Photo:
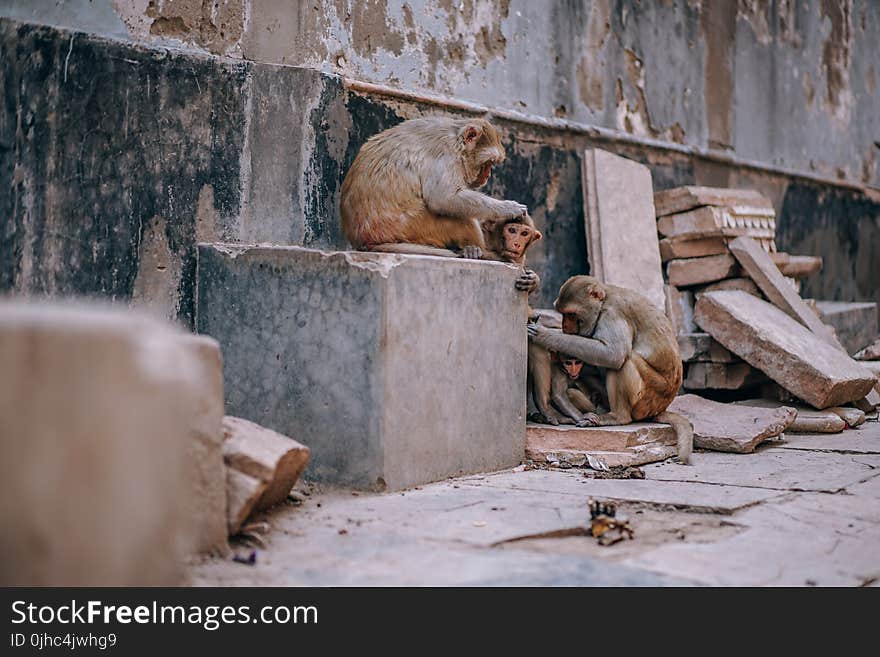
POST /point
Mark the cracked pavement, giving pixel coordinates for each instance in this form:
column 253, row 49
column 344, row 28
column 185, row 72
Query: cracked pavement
column 800, row 512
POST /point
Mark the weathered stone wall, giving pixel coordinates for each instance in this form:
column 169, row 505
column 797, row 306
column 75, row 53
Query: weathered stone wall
column 792, row 83
column 119, row 157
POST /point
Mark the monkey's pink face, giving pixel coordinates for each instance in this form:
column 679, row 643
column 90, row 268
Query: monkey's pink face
column 572, row 367
column 517, row 238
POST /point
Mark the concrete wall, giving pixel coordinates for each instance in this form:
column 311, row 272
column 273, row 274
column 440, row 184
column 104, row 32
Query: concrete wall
column 792, row 83
column 120, row 156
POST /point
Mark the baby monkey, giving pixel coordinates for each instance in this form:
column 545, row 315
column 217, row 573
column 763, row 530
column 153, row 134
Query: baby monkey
column 574, row 390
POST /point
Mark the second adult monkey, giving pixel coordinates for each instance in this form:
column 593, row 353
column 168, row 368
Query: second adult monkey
column 413, row 188
column 620, row 330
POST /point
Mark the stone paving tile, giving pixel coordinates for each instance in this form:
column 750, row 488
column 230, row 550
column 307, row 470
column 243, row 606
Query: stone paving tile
column 861, row 440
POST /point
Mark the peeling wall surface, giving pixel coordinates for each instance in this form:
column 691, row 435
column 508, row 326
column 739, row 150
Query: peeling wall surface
column 131, row 129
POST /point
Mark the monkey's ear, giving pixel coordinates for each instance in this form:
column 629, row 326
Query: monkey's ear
column 470, row 134
column 596, row 292
column 536, row 236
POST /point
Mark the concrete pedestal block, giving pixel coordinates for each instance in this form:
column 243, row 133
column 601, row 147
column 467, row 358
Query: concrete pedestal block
column 394, row 370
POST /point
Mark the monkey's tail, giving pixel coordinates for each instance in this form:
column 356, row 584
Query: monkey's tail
column 683, row 431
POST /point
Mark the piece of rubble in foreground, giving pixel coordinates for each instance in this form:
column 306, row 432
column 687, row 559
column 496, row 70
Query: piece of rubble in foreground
column 269, row 462
column 808, row 420
column 621, row 445
column 785, row 350
column 729, row 427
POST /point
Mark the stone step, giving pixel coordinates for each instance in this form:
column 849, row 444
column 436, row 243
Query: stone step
column 625, row 445
column 394, row 370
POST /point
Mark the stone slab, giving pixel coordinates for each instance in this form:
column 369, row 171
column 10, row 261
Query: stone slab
column 243, row 492
column 728, row 427
column 680, row 309
column 789, row 353
column 680, row 199
column 871, row 352
column 702, row 347
column 717, row 222
column 98, row 407
column 683, row 247
column 852, row 416
column 630, row 444
column 621, row 231
column 721, row 376
column 378, row 362
column 696, row 271
column 774, row 468
column 855, row 323
column 858, row 441
column 760, row 268
column 681, row 494
column 796, row 266
column 744, row 284
column 275, row 460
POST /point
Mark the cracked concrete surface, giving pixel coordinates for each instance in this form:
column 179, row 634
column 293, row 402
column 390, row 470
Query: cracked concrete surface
column 800, row 512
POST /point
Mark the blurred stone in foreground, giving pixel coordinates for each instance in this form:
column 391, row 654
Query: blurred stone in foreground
column 98, row 410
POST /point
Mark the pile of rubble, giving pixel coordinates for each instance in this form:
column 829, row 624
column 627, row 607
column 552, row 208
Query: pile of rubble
column 745, row 334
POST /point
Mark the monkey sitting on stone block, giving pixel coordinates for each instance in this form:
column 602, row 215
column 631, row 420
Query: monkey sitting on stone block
column 621, row 331
column 413, row 189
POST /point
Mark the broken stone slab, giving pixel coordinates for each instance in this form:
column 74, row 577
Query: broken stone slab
column 808, row 420
column 743, row 284
column 702, row 347
column 731, row 428
column 680, row 309
column 796, row 266
column 98, row 407
column 852, row 416
column 694, row 271
column 275, row 460
column 243, row 492
column 785, row 350
column 373, row 360
column 685, row 247
column 710, row 221
column 760, row 268
column 869, row 403
column 721, row 376
column 855, row 323
column 621, row 230
column 871, row 352
column 685, row 198
column 630, row 444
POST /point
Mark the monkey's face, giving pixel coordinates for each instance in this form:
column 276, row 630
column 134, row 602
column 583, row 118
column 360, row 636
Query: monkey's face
column 572, row 367
column 580, row 302
column 481, row 149
column 517, row 238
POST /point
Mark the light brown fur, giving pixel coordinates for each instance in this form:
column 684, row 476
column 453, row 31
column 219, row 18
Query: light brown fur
column 416, row 184
column 619, row 329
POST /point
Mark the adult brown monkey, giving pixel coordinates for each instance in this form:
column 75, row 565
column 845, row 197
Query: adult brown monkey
column 620, row 330
column 413, row 188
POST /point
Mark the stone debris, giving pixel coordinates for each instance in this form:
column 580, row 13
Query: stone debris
column 852, row 416
column 796, row 266
column 742, row 284
column 618, row 201
column 269, row 462
column 783, row 349
column 760, row 268
column 702, row 347
column 808, row 420
column 625, row 445
column 854, row 323
column 721, row 376
column 712, row 221
column 681, row 199
column 696, row 271
column 680, row 309
column 729, row 427
column 687, row 247
column 871, row 352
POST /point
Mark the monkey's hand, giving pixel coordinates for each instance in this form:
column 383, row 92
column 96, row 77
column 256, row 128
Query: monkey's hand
column 511, row 210
column 590, row 420
column 528, row 281
column 472, row 252
column 541, row 335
